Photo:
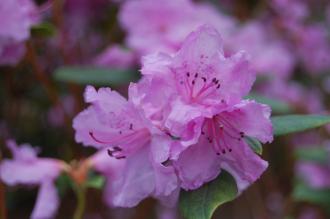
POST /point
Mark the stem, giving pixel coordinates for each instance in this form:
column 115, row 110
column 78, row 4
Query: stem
column 81, row 202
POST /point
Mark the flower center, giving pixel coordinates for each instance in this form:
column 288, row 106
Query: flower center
column 220, row 132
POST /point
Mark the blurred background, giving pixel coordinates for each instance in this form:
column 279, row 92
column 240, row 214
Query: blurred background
column 71, row 43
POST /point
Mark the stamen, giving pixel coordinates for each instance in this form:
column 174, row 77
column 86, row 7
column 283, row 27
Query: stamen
column 97, row 140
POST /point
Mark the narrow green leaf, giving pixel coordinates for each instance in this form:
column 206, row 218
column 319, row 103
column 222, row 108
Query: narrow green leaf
column 297, row 123
column 277, row 106
column 44, row 29
column 313, row 154
column 254, row 144
column 95, row 75
column 201, row 203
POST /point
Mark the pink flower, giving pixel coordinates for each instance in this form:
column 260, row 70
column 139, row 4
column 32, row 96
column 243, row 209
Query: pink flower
column 115, row 57
column 10, row 52
column 178, row 91
column 113, row 122
column 255, row 38
column 154, row 27
column 313, row 47
column 16, row 19
column 291, row 11
column 196, row 96
column 185, row 119
column 222, row 146
column 26, row 168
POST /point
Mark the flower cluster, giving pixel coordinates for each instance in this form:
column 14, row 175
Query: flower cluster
column 183, row 122
column 16, row 19
column 26, row 168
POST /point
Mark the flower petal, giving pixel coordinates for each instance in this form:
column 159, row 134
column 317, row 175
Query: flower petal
column 47, row 201
column 197, row 165
column 252, row 118
column 243, row 164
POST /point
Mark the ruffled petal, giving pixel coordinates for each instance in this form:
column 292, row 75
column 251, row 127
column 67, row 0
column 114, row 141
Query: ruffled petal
column 243, row 164
column 132, row 186
column 111, row 120
column 15, row 172
column 197, row 165
column 251, row 118
column 47, row 201
column 185, row 121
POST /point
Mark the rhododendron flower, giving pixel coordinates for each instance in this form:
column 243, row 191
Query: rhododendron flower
column 27, row 169
column 16, row 19
column 162, row 26
column 192, row 83
column 313, row 47
column 203, row 90
column 222, row 146
column 310, row 41
column 113, row 122
column 115, row 57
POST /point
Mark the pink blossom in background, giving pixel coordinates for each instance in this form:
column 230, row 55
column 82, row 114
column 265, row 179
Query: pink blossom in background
column 11, row 52
column 269, row 56
column 309, row 213
column 163, row 27
column 114, row 123
column 310, row 41
column 16, row 19
column 313, row 47
column 291, row 11
column 315, row 175
column 115, row 57
column 295, row 94
column 27, row 169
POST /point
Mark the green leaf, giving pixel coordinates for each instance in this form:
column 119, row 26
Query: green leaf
column 277, row 106
column 43, row 29
column 96, row 182
column 297, row 123
column 63, row 184
column 313, row 154
column 95, row 75
column 254, row 144
column 201, row 203
column 304, row 193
